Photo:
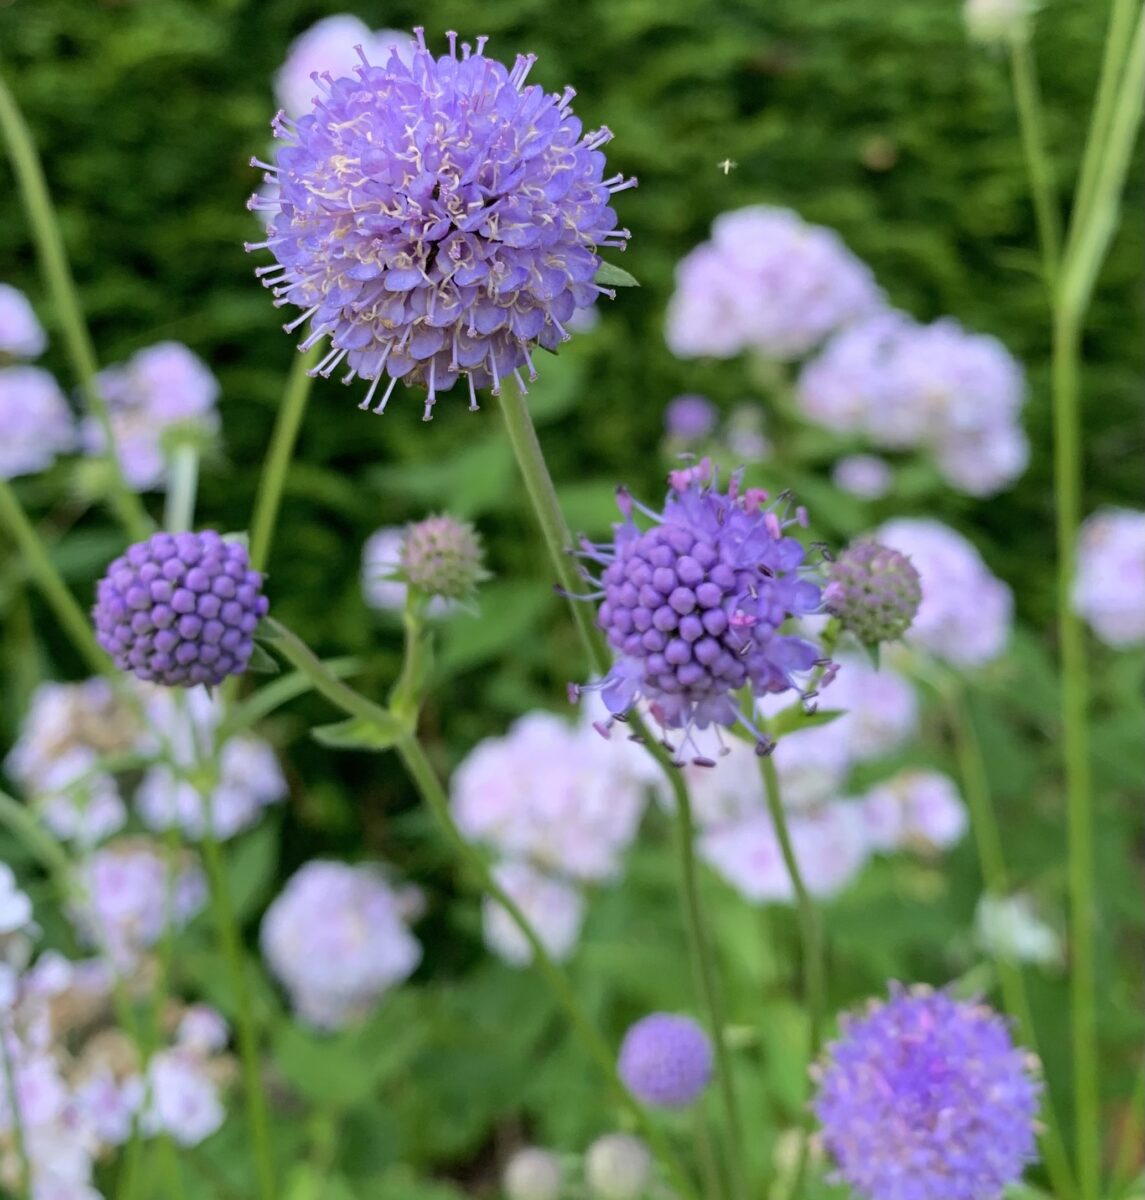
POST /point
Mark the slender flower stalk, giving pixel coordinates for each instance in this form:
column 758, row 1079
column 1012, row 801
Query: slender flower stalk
column 41, row 216
column 182, row 486
column 272, row 482
column 13, row 1097
column 814, row 950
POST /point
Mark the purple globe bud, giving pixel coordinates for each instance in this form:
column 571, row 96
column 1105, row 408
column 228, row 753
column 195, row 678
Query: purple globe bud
column 874, row 591
column 442, row 557
column 437, row 218
column 928, row 1097
column 180, row 609
column 693, row 606
column 665, row 1060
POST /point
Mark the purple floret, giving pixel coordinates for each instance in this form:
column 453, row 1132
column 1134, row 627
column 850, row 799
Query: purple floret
column 693, row 606
column 437, row 218
column 927, row 1098
column 180, row 609
column 665, row 1060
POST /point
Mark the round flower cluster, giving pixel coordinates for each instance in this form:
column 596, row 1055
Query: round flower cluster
column 1009, row 927
column 36, row 424
column 558, row 795
column 161, row 388
column 997, row 21
column 966, row 612
column 337, row 940
column 554, row 909
column 329, row 45
column 693, row 605
column 1109, row 588
column 767, row 282
column 21, row 334
column 927, row 1096
column 618, row 1166
column 437, row 218
column 690, row 418
column 533, row 1174
column 937, row 387
column 915, row 808
column 864, row 475
column 247, row 779
column 874, row 591
column 123, row 889
column 180, row 609
column 442, row 557
column 665, row 1060
column 66, row 730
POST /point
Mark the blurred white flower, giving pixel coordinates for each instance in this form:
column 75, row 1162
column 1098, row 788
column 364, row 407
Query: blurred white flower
column 1009, row 927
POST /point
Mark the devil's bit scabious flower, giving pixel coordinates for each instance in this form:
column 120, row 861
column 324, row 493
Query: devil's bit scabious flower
column 180, row 609
column 36, row 424
column 874, row 591
column 21, row 334
column 927, row 1098
column 665, row 1060
column 442, row 556
column 1109, row 587
column 693, row 605
column 437, row 219
column 533, row 1174
column 618, row 1166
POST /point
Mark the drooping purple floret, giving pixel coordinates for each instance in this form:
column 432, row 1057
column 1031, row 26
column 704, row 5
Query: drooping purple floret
column 665, row 1060
column 437, row 219
column 693, row 606
column 180, row 609
column 927, row 1098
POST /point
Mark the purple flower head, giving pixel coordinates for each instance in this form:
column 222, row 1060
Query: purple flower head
column 768, row 282
column 442, row 556
column 437, row 218
column 1109, row 588
column 21, row 334
column 690, row 417
column 926, row 1097
column 693, row 606
column 180, row 609
column 35, row 422
column 864, row 475
column 874, row 591
column 665, row 1060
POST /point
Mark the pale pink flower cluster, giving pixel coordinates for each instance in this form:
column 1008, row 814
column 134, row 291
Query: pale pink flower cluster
column 1109, row 586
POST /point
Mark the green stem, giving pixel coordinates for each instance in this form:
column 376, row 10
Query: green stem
column 182, row 484
column 272, row 482
column 48, row 579
column 405, row 701
column 814, row 950
column 991, row 858
column 41, row 216
column 278, row 692
column 543, row 497
column 1129, row 1142
column 14, row 1108
column 1027, row 96
column 703, row 962
column 231, row 945
column 21, row 821
column 1113, row 59
column 423, row 775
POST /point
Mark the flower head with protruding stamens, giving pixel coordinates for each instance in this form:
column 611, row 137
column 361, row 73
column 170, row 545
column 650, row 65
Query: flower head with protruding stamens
column 437, row 219
column 693, row 605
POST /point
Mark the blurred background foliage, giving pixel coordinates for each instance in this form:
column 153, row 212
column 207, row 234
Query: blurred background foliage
column 874, row 116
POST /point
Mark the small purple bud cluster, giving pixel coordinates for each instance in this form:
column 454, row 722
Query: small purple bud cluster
column 665, row 1060
column 693, row 606
column 437, row 218
column 442, row 557
column 180, row 609
column 874, row 591
column 927, row 1097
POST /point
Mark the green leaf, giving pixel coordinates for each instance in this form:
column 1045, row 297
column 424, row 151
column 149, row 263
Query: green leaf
column 261, row 663
column 251, row 864
column 356, row 733
column 610, row 275
column 793, row 718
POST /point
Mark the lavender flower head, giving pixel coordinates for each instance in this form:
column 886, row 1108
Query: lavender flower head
column 864, row 475
column 35, row 422
column 442, row 557
column 693, row 606
column 1109, row 589
column 915, row 809
column 874, row 591
column 437, row 219
column 690, row 417
column 180, row 609
column 21, row 334
column 966, row 611
column 926, row 1097
column 554, row 908
column 665, row 1060
column 769, row 282
column 162, row 387
column 337, row 939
